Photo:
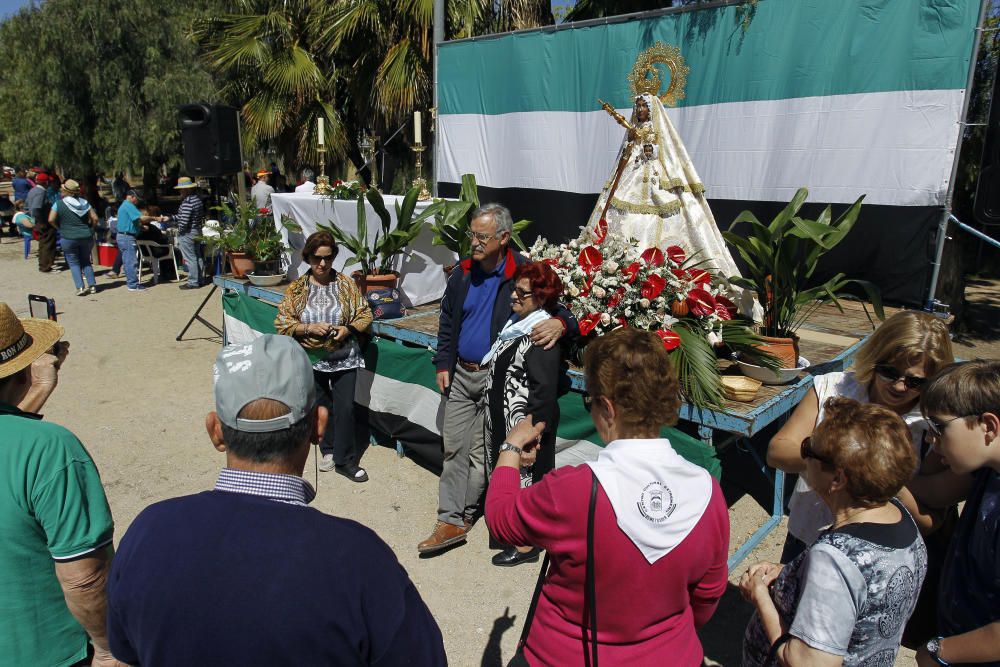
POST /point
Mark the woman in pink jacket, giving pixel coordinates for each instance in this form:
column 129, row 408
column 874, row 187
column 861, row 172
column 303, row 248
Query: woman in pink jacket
column 661, row 527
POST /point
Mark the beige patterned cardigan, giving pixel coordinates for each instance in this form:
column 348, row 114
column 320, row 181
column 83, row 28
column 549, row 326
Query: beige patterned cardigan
column 357, row 315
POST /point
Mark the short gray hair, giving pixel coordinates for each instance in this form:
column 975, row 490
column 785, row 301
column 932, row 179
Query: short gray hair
column 499, row 213
column 308, row 174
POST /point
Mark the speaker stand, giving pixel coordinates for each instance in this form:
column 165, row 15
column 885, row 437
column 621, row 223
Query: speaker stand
column 197, row 316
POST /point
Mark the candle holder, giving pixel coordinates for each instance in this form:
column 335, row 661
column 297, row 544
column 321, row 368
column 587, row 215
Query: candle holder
column 322, row 182
column 419, row 181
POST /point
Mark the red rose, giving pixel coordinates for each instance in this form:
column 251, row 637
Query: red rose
column 676, row 254
column 616, row 298
column 700, row 302
column 590, row 259
column 669, row 338
column 652, row 256
column 265, row 211
column 653, row 286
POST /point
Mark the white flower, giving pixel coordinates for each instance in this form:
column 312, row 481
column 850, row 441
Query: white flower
column 669, row 321
column 605, row 319
column 611, row 268
column 714, row 339
column 644, row 303
column 599, row 293
column 573, row 290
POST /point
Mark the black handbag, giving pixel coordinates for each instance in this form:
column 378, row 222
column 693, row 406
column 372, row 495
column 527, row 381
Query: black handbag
column 589, row 595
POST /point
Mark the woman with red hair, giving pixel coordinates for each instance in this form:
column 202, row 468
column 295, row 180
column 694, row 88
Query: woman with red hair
column 524, row 380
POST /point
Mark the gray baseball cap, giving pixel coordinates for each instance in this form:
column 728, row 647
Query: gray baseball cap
column 274, row 367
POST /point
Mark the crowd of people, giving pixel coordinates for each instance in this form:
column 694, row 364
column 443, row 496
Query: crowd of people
column 636, row 542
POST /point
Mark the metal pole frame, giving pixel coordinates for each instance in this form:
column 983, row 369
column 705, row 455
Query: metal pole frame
column 931, row 304
column 439, row 19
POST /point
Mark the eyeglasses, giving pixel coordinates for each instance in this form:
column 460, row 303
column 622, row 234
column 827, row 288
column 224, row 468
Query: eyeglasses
column 588, row 401
column 807, row 452
column 892, row 375
column 479, row 236
column 522, row 294
column 937, row 427
column 319, row 259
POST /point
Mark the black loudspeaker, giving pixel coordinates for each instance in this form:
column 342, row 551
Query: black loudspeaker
column 211, row 136
column 986, row 208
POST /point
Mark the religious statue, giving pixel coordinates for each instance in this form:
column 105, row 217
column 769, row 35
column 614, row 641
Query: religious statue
column 655, row 196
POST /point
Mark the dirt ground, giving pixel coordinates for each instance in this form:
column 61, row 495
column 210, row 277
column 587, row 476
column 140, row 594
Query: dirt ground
column 138, row 398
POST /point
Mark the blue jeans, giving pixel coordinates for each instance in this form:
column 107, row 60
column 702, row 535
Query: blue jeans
column 77, row 254
column 126, row 253
column 27, row 246
column 191, row 252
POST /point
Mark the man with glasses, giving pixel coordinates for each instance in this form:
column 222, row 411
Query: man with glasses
column 475, row 306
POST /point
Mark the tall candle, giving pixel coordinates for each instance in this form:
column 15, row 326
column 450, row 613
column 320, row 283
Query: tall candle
column 416, row 128
column 320, row 122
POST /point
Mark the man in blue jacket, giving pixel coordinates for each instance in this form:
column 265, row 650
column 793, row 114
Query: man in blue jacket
column 475, row 307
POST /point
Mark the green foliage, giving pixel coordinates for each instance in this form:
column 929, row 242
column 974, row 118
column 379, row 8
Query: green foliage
column 245, row 229
column 379, row 256
column 695, row 363
column 781, row 258
column 91, row 86
column 451, row 223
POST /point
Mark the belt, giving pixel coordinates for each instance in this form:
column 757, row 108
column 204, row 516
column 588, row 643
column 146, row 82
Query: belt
column 471, row 366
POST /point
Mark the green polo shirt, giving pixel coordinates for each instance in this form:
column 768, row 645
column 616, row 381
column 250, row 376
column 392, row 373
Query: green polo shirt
column 52, row 507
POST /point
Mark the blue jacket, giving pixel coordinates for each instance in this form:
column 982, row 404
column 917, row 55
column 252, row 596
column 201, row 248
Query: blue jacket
column 450, row 322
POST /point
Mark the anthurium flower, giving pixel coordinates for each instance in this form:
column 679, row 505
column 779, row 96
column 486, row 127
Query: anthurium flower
column 676, row 254
column 700, row 302
column 632, row 272
column 653, row 286
column 616, row 298
column 727, row 305
column 700, row 276
column 670, row 339
column 590, row 259
column 601, row 231
column 588, row 323
column 652, row 256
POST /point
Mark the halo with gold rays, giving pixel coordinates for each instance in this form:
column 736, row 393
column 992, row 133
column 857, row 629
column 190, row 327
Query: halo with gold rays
column 645, row 77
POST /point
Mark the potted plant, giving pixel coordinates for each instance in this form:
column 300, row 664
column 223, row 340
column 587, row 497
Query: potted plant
column 781, row 257
column 451, row 222
column 378, row 259
column 248, row 236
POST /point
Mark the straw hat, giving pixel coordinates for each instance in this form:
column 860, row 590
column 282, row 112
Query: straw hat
column 262, row 173
column 72, row 187
column 23, row 340
column 185, row 182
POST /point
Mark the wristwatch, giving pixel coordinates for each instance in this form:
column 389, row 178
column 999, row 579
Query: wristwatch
column 507, row 447
column 934, row 648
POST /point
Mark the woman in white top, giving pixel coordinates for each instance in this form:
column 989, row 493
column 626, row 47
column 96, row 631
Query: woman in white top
column 890, row 369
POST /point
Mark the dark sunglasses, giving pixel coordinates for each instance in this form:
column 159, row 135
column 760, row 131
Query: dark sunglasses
column 937, row 426
column 892, row 375
column 807, row 452
column 522, row 294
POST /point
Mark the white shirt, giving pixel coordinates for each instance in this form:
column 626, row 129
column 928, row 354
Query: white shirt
column 307, row 187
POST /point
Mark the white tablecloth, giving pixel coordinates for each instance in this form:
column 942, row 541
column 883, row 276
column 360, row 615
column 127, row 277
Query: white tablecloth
column 421, row 275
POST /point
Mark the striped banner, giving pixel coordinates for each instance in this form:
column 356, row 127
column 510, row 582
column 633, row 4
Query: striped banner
column 399, row 391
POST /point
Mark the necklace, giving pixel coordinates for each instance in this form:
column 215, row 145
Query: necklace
column 852, row 518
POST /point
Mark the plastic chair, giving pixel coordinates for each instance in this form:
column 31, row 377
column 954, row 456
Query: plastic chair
column 148, row 256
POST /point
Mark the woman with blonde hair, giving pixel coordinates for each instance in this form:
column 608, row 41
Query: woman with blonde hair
column 890, row 369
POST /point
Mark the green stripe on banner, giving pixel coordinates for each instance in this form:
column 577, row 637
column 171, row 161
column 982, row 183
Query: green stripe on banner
column 255, row 316
column 792, row 48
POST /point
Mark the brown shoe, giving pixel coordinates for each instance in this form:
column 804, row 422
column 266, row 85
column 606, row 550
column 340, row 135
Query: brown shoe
column 444, row 535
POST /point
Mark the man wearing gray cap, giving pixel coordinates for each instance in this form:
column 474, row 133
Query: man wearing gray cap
column 246, row 574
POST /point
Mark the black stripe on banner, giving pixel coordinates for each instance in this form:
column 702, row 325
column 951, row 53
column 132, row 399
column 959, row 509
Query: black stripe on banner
column 891, row 246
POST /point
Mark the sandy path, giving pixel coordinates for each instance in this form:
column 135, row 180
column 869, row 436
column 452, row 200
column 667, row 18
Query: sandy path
column 138, row 399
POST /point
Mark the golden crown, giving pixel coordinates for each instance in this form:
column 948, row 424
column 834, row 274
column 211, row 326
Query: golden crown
column 645, row 77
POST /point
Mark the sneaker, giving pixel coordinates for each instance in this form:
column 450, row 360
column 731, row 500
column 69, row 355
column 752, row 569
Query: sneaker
column 140, row 288
column 92, row 289
column 326, row 463
column 112, row 274
column 189, row 286
column 82, row 291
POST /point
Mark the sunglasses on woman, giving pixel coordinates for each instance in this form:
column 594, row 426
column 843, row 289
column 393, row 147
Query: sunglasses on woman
column 806, row 451
column 892, row 375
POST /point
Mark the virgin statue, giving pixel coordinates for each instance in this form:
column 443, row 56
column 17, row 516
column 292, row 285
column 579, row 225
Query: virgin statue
column 655, row 196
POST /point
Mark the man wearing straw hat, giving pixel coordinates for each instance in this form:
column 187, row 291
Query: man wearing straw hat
column 189, row 218
column 262, row 191
column 54, row 517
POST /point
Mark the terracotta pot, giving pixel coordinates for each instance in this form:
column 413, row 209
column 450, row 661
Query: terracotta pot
column 785, row 349
column 679, row 308
column 370, row 283
column 240, row 263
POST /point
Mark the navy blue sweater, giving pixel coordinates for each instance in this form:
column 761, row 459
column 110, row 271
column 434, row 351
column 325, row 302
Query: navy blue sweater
column 450, row 320
column 223, row 578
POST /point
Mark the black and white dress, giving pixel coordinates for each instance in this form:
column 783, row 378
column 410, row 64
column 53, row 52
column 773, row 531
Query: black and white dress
column 523, row 380
column 849, row 594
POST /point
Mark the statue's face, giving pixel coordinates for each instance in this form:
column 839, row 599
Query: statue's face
column 647, row 151
column 641, row 111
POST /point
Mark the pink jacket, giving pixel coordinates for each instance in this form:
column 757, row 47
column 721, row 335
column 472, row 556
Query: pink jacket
column 646, row 614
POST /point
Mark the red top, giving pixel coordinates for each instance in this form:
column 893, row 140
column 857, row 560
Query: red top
column 646, row 614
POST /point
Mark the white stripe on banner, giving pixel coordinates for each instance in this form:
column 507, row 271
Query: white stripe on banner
column 895, row 147
column 419, row 405
column 238, row 331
